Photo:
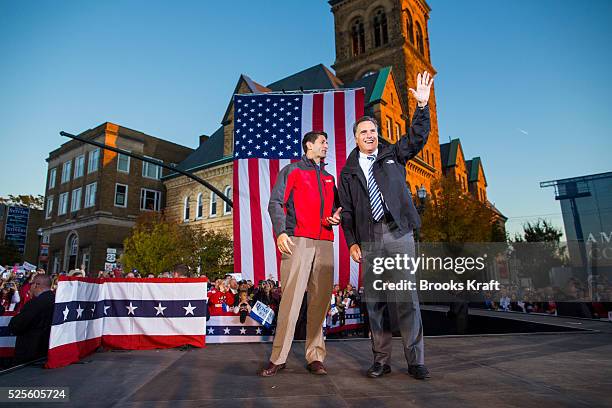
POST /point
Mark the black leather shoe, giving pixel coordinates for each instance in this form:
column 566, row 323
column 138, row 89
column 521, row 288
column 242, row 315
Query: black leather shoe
column 420, row 372
column 378, row 370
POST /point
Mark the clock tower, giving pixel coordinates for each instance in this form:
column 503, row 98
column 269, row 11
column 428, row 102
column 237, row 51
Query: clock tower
column 371, row 35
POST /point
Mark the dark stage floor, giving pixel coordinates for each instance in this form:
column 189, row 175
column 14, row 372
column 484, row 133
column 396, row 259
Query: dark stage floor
column 530, row 370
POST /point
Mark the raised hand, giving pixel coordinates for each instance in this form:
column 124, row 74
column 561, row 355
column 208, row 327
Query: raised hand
column 424, row 82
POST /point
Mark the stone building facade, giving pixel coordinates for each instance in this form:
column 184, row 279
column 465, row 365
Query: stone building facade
column 94, row 196
column 381, row 45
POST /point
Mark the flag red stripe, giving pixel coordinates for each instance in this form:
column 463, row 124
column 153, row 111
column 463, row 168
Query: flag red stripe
column 274, row 169
column 344, row 272
column 236, row 212
column 148, row 342
column 65, row 354
column 259, row 268
column 100, row 281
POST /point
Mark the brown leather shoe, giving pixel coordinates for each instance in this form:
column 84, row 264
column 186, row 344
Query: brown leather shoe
column 271, row 370
column 317, row 368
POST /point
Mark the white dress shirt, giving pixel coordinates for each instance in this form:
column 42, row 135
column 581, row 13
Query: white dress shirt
column 365, row 165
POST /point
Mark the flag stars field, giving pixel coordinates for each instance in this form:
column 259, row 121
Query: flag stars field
column 189, row 309
column 160, row 309
column 131, row 308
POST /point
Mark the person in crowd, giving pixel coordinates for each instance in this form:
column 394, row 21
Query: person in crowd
column 242, row 308
column 77, row 273
column 233, row 287
column 504, row 301
column 180, row 271
column 32, row 325
column 220, row 298
column 9, row 296
column 24, row 291
column 264, row 295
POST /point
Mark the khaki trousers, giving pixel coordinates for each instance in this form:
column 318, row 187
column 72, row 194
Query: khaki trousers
column 310, row 267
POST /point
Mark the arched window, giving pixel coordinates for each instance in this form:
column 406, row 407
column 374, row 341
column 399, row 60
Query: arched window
column 71, row 252
column 419, row 39
column 186, row 209
column 357, row 37
column 226, row 207
column 200, row 207
column 381, row 35
column 409, row 27
column 213, row 204
column 74, row 245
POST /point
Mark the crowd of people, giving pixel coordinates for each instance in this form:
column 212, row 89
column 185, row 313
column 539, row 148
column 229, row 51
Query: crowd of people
column 575, row 299
column 229, row 296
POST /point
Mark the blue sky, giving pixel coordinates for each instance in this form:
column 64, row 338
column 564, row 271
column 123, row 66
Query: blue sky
column 524, row 84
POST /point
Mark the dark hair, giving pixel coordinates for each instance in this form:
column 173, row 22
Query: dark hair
column 364, row 119
column 311, row 137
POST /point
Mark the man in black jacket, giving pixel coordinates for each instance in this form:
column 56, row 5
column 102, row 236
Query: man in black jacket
column 378, row 212
column 32, row 325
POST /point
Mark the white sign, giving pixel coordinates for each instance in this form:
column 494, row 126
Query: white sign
column 237, row 276
column 28, row 266
column 111, row 255
column 262, row 314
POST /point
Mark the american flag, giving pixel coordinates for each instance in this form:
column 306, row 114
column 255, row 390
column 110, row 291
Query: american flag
column 7, row 340
column 268, row 131
column 126, row 314
column 228, row 329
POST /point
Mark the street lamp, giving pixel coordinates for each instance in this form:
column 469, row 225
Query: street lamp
column 422, row 195
column 39, row 232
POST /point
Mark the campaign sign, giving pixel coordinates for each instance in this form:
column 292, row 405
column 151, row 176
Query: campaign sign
column 17, row 226
column 262, row 314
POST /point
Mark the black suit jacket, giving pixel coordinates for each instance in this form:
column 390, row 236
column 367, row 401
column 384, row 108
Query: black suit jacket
column 390, row 176
column 32, row 326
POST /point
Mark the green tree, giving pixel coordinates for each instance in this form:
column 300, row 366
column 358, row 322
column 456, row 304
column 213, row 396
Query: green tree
column 452, row 215
column 30, row 201
column 538, row 249
column 539, row 231
column 156, row 245
column 212, row 251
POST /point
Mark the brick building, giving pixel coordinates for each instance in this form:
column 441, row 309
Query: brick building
column 381, row 45
column 94, row 196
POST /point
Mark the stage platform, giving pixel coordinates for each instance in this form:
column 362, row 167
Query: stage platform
column 570, row 369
